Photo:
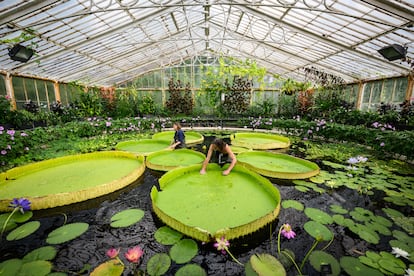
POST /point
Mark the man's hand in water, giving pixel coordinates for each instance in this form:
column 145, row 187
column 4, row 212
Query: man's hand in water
column 226, row 172
column 202, row 171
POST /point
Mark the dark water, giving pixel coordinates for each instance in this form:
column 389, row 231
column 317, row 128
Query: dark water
column 90, row 248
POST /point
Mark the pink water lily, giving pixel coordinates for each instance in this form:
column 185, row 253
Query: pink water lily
column 134, row 254
column 222, row 244
column 112, row 253
column 287, row 231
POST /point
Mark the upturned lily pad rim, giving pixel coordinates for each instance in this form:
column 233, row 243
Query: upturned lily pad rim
column 168, row 135
column 61, row 199
column 278, row 142
column 120, row 146
column 313, row 167
column 229, row 233
column 162, row 167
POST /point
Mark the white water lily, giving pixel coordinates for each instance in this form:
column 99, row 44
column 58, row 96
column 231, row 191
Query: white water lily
column 399, row 252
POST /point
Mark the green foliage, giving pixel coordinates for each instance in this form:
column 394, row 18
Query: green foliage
column 191, row 269
column 109, row 268
column 183, row 251
column 67, row 232
column 167, row 236
column 23, row 231
column 179, row 102
column 126, row 218
column 158, row 264
column 319, row 258
column 266, row 264
column 317, row 230
column 318, row 215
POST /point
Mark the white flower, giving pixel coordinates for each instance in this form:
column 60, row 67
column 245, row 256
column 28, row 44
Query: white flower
column 410, row 272
column 399, row 252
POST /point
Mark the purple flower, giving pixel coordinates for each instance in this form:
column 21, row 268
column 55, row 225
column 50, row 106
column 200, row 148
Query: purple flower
column 23, row 134
column 353, row 160
column 112, row 253
column 376, row 124
column 382, row 144
column 3, row 152
column 11, row 132
column 22, row 204
column 222, row 244
column 1, row 128
column 310, row 131
column 287, row 231
column 108, row 124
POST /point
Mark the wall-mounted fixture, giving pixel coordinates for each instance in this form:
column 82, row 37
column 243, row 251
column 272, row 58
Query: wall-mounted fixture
column 393, row 52
column 20, row 53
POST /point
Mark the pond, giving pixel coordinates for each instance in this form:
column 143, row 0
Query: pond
column 336, row 196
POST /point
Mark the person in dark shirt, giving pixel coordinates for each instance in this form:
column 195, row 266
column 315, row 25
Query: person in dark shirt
column 224, row 155
column 179, row 137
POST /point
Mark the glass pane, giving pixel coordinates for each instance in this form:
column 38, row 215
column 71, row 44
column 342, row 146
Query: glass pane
column 376, row 92
column 3, row 91
column 367, row 93
column 388, row 90
column 400, row 90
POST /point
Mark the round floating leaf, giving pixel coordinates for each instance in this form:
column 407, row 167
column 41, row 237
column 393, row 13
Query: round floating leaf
column 319, row 258
column 318, row 215
column 367, row 234
column 392, row 266
column 191, row 270
column 183, row 251
column 10, row 224
column 10, row 267
column 338, row 209
column 266, row 264
column 20, row 218
column 392, row 212
column 167, row 236
column 348, row 223
column 36, row 268
column 354, row 267
column 248, row 270
column 317, row 230
column 23, row 231
column 57, row 274
column 339, row 219
column 383, row 221
column 127, row 217
column 292, row 204
column 45, row 253
column 381, row 229
column 158, row 264
column 401, row 245
column 110, row 268
column 302, row 189
column 364, row 212
column 358, row 216
column 67, row 232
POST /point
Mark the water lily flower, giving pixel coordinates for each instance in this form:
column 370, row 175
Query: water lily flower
column 22, row 204
column 287, row 231
column 222, row 244
column 398, row 252
column 112, row 253
column 134, row 254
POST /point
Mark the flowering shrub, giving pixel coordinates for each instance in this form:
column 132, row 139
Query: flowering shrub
column 12, row 144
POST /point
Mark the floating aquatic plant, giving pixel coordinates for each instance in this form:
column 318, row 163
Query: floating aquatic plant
column 167, row 236
column 191, row 269
column 266, row 264
column 67, row 232
column 126, row 218
column 20, row 207
column 183, row 251
column 318, row 215
column 159, row 264
column 318, row 259
column 292, row 204
column 384, row 262
column 23, row 231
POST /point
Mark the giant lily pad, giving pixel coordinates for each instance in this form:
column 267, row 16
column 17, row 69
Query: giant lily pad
column 218, row 205
column 262, row 141
column 191, row 137
column 277, row 165
column 70, row 179
column 167, row 160
column 143, row 147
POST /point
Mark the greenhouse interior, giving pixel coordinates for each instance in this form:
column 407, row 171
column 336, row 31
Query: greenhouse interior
column 207, row 137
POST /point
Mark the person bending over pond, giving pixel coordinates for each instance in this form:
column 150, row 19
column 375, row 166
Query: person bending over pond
column 224, row 155
column 179, row 137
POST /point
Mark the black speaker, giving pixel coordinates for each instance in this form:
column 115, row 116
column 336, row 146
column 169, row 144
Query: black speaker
column 20, row 53
column 393, row 52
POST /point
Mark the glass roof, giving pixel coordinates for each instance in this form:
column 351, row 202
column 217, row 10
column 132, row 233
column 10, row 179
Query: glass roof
column 108, row 42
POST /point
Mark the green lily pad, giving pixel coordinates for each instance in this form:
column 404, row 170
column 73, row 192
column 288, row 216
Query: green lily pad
column 111, row 268
column 277, row 165
column 266, row 264
column 383, row 221
column 318, row 215
column 381, row 229
column 183, row 251
column 191, row 137
column 365, row 233
column 292, row 204
column 23, row 231
column 318, row 258
column 191, row 270
column 167, row 160
column 167, row 236
column 10, row 267
column 302, row 189
column 45, row 253
column 67, row 232
column 354, row 267
column 338, row 209
column 143, row 147
column 317, row 230
column 259, row 141
column 158, row 264
column 36, row 268
column 391, row 263
column 339, row 219
column 126, row 218
column 17, row 217
column 248, row 270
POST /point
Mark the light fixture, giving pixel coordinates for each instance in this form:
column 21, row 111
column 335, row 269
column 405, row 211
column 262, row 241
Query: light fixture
column 20, row 53
column 393, row 52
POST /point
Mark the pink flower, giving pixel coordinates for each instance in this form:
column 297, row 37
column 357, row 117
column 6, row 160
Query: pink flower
column 108, row 124
column 23, row 134
column 3, row 152
column 382, row 144
column 11, row 132
column 222, row 244
column 134, row 254
column 287, row 231
column 112, row 253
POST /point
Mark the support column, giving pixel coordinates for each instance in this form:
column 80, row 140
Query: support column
column 360, row 92
column 10, row 90
column 409, row 95
column 57, row 91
